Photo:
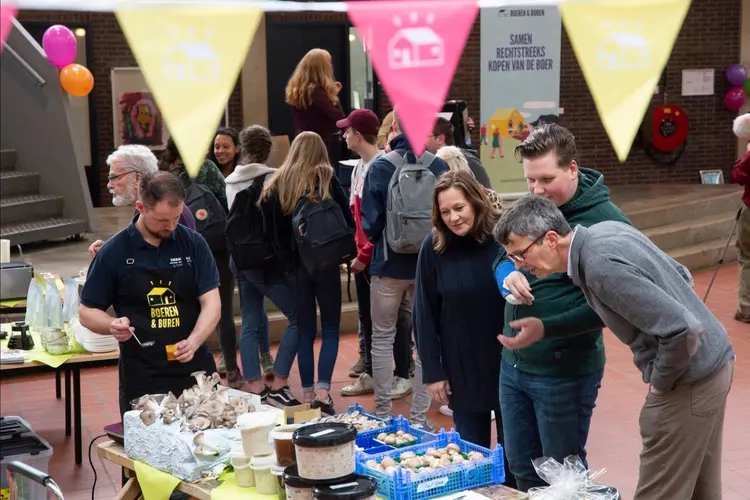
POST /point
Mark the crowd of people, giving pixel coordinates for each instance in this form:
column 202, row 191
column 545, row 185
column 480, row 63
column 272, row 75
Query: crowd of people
column 496, row 314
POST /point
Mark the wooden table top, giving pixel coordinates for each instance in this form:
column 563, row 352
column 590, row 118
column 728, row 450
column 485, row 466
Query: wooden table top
column 115, row 453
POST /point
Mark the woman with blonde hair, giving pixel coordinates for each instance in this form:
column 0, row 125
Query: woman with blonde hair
column 306, row 177
column 312, row 91
column 456, row 160
column 456, row 300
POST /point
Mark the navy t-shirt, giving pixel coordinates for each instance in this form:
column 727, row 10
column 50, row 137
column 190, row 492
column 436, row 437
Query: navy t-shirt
column 107, row 268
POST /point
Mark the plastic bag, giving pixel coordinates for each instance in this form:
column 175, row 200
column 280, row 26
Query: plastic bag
column 569, row 481
column 54, row 305
column 36, row 310
column 70, row 304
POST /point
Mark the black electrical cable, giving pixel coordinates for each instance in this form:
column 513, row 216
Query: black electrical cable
column 91, row 462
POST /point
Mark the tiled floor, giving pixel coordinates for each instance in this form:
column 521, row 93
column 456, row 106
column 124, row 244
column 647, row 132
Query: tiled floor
column 614, row 442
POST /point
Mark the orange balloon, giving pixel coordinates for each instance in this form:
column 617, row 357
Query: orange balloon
column 77, row 80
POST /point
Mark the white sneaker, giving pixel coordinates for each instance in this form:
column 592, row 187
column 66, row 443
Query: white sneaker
column 492, row 415
column 401, row 388
column 446, row 410
column 363, row 385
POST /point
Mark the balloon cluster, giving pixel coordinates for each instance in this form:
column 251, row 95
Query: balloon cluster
column 60, row 45
column 735, row 97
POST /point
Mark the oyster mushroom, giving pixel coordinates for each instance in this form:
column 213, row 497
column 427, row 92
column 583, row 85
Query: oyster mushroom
column 203, row 447
column 148, row 417
column 168, row 415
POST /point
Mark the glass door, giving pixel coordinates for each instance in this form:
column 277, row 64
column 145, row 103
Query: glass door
column 361, row 80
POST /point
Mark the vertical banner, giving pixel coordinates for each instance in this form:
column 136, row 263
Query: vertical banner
column 520, row 85
column 415, row 47
column 191, row 56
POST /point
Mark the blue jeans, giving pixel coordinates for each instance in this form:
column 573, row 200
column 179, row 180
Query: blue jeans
column 279, row 288
column 325, row 286
column 544, row 417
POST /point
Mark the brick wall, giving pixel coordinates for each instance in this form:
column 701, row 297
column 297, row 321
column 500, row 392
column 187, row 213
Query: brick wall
column 709, row 39
column 109, row 49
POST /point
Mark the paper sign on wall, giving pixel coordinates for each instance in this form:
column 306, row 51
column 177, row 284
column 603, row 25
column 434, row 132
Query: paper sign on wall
column 622, row 47
column 7, row 13
column 191, row 57
column 415, row 47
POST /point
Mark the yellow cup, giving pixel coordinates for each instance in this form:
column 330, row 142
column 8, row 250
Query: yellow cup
column 170, row 352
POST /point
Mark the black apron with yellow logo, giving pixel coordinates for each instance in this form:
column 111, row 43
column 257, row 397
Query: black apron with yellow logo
column 163, row 307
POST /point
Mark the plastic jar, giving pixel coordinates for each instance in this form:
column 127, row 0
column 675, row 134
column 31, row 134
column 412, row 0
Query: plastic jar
column 296, row 488
column 254, row 427
column 278, row 473
column 282, row 441
column 354, row 488
column 244, row 476
column 265, row 482
column 325, row 451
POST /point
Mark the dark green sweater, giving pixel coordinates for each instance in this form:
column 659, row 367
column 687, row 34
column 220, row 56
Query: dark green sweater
column 561, row 305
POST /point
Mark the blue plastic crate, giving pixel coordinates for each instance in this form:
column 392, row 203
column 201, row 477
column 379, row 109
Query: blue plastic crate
column 367, row 443
column 453, row 479
column 362, row 411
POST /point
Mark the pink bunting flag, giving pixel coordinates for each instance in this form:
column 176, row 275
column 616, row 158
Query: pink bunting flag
column 415, row 46
column 7, row 13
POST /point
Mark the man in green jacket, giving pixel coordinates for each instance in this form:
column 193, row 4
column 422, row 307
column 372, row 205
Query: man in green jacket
column 548, row 391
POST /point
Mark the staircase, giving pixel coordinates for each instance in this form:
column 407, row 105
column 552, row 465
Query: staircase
column 691, row 223
column 26, row 215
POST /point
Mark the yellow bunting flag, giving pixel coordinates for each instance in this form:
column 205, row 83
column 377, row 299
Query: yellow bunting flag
column 622, row 47
column 191, row 56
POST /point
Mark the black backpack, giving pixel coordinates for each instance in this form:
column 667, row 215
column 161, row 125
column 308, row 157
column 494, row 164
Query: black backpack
column 324, row 239
column 210, row 217
column 247, row 234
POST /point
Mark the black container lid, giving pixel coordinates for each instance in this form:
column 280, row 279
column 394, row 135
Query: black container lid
column 324, row 435
column 292, row 478
column 353, row 488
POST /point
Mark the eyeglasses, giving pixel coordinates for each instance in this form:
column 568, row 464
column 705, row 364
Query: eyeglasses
column 521, row 257
column 113, row 178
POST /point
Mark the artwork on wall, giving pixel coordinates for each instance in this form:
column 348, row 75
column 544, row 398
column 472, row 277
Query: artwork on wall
column 140, row 120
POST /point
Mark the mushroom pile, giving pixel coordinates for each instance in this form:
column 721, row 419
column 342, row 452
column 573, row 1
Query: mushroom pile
column 359, row 421
column 398, row 438
column 203, row 406
column 432, row 460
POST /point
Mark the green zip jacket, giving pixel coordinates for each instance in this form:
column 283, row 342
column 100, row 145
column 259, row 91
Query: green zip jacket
column 561, row 305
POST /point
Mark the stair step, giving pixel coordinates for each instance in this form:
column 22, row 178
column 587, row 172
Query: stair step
column 277, row 324
column 42, row 230
column 271, row 307
column 7, row 160
column 16, row 209
column 681, row 209
column 692, row 232
column 706, row 254
column 13, row 183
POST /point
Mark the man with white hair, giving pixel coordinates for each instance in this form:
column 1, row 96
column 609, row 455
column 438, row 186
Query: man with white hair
column 127, row 165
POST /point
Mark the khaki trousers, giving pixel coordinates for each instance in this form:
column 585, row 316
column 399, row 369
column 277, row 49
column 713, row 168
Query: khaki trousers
column 743, row 255
column 681, row 432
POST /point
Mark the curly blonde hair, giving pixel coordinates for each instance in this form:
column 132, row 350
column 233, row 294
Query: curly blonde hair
column 454, row 157
column 314, row 70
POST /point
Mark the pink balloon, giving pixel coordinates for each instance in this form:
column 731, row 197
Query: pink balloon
column 734, row 99
column 60, row 45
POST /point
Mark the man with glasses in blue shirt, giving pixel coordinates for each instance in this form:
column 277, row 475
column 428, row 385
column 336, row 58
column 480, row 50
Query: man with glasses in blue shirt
column 127, row 166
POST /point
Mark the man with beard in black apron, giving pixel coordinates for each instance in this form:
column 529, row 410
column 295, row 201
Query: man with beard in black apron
column 162, row 282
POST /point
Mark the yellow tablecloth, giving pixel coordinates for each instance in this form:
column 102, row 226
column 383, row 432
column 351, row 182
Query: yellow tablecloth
column 39, row 354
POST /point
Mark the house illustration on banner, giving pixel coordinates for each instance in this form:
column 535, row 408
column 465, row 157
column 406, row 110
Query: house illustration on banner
column 192, row 62
column 415, row 47
column 509, row 121
column 624, row 50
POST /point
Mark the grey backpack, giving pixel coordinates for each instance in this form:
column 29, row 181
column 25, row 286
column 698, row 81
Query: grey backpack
column 409, row 205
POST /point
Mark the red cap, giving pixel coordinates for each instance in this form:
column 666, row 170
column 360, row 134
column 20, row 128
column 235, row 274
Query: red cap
column 363, row 121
